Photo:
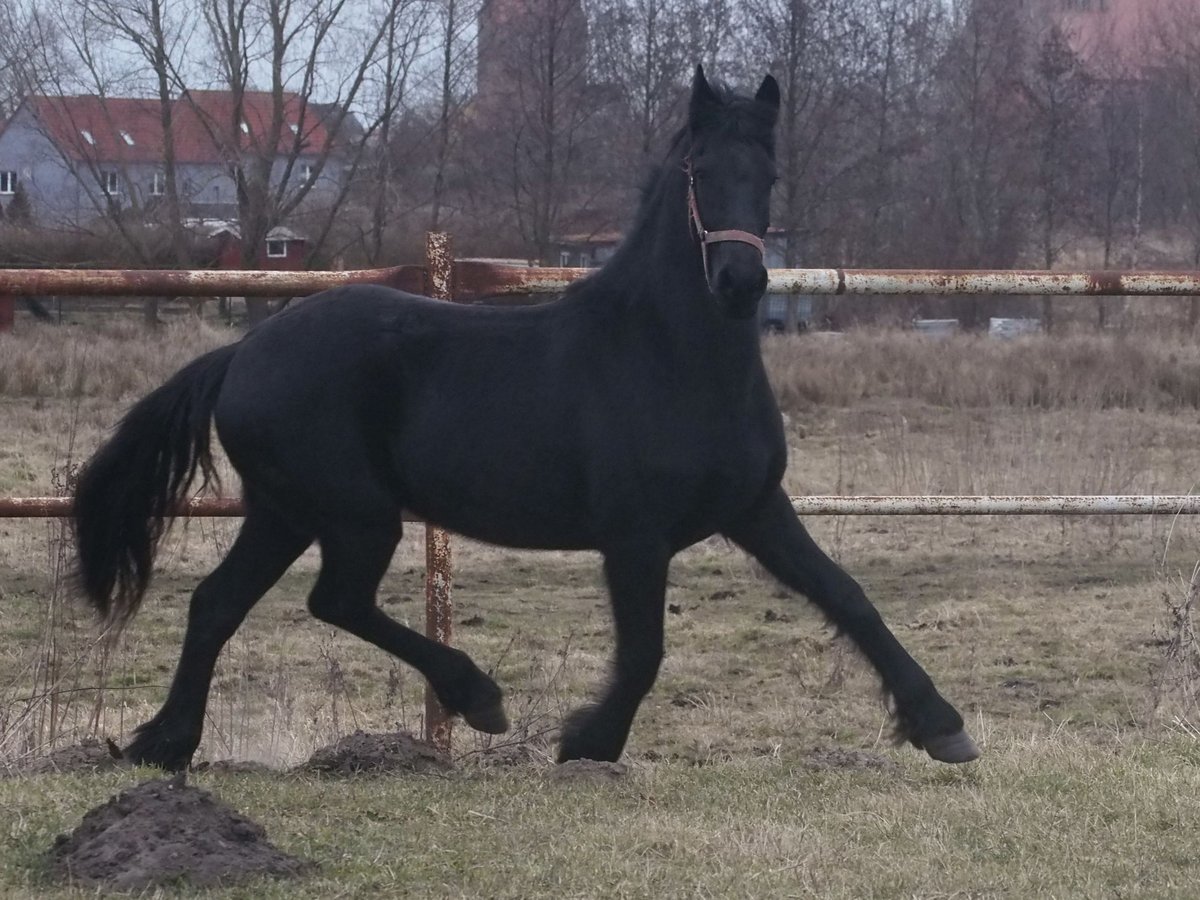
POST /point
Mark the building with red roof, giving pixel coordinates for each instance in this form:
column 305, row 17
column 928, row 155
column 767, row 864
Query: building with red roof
column 79, row 157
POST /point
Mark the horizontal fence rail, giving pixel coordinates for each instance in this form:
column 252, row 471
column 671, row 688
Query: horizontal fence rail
column 894, row 505
column 474, row 281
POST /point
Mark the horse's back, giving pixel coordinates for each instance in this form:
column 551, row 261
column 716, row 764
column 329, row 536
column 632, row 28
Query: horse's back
column 364, row 399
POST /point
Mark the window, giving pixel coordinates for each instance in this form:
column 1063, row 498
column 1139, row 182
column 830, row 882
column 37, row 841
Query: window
column 216, row 193
column 158, row 184
column 564, row 258
column 110, row 183
column 8, row 182
column 276, row 249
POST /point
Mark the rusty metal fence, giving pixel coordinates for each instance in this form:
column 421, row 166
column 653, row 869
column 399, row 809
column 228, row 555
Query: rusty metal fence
column 470, row 281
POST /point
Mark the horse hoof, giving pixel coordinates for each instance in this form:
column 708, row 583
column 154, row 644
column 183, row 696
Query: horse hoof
column 490, row 719
column 952, row 748
column 161, row 756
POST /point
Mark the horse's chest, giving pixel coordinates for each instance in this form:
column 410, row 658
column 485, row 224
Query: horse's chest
column 699, row 484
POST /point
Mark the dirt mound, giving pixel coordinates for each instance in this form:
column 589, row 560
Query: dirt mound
column 165, row 831
column 377, row 754
column 89, row 755
column 838, row 758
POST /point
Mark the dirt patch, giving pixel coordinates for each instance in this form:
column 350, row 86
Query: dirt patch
column 164, row 831
column 503, row 756
column 588, row 770
column 831, row 758
column 89, row 755
column 362, row 753
column 235, row 767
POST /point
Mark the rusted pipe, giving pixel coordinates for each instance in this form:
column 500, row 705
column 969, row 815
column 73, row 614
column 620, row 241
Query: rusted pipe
column 1007, row 505
column 60, row 507
column 197, row 282
column 439, row 603
column 997, row 282
column 474, row 280
column 951, row 505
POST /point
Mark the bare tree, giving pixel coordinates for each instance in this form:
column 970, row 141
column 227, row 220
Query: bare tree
column 18, row 56
column 159, row 34
column 1058, row 90
column 1175, row 41
column 534, row 103
column 802, row 41
column 455, row 36
column 984, row 136
column 304, row 46
column 645, row 49
column 976, row 170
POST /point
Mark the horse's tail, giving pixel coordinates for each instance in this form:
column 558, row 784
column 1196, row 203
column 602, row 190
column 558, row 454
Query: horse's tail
column 126, row 495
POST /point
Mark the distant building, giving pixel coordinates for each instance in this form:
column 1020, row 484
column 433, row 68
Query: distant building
column 283, row 249
column 78, row 157
column 1117, row 30
column 586, row 251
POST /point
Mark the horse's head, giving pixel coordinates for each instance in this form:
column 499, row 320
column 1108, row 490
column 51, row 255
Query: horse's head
column 730, row 166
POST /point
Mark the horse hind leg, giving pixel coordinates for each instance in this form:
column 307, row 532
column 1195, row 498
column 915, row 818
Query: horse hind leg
column 637, row 584
column 354, row 560
column 263, row 550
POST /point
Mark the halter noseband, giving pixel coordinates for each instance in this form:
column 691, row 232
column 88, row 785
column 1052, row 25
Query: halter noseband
column 713, row 237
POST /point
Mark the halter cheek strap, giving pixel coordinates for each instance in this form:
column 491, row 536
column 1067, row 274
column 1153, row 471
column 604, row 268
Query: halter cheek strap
column 713, row 237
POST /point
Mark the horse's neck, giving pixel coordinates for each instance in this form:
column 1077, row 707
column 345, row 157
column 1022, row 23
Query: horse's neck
column 659, row 277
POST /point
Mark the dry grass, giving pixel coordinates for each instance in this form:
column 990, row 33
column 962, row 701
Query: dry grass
column 1136, row 371
column 1052, row 636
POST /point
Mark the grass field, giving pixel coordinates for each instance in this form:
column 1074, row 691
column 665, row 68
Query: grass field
column 760, row 765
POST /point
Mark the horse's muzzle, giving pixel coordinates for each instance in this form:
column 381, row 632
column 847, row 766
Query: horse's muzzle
column 739, row 283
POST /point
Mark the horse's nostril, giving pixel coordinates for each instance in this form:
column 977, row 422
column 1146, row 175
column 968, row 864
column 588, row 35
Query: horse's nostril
column 725, row 284
column 734, row 284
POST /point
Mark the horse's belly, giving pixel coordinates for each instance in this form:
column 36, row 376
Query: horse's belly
column 499, row 493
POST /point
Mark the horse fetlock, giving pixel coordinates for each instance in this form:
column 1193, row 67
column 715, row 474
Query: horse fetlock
column 588, row 734
column 475, row 696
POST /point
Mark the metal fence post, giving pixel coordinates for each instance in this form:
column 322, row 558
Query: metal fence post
column 439, row 605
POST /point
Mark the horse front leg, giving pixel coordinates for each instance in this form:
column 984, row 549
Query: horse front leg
column 774, row 535
column 637, row 586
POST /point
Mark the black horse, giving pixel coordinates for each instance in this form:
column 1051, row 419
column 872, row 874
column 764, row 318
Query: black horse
column 633, row 416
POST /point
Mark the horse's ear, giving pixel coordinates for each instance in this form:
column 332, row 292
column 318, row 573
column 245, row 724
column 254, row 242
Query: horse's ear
column 704, row 99
column 768, row 92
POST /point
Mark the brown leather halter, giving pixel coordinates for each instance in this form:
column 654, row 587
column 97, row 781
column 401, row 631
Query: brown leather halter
column 713, row 237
